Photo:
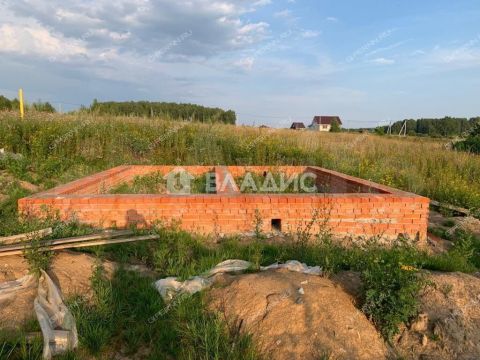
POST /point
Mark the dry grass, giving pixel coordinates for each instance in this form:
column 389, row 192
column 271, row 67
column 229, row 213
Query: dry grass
column 84, row 143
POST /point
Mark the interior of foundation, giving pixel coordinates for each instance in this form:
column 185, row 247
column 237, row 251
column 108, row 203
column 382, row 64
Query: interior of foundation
column 246, row 180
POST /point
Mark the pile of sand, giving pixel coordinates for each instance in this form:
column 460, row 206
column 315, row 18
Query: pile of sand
column 449, row 324
column 70, row 271
column 298, row 316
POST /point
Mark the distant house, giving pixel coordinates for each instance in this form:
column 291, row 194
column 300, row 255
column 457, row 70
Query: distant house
column 324, row 123
column 297, row 126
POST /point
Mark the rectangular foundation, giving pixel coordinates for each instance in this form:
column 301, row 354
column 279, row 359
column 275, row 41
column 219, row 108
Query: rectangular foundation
column 348, row 206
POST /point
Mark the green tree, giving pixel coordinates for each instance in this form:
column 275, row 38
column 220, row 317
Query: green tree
column 335, row 126
column 186, row 112
column 5, row 104
column 475, row 130
column 43, row 106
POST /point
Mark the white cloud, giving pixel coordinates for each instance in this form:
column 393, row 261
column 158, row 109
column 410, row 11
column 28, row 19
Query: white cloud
column 38, row 40
column 310, row 33
column 142, row 26
column 332, row 19
column 467, row 55
column 245, row 63
column 283, row 13
column 250, row 33
column 418, row 52
column 262, row 2
column 383, row 61
column 385, row 48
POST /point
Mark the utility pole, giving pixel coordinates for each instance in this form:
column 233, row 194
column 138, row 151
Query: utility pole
column 20, row 100
column 403, row 129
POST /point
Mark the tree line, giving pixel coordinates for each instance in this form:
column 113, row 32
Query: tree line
column 14, row 104
column 189, row 112
column 444, row 127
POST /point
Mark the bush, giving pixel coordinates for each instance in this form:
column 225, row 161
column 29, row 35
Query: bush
column 37, row 257
column 471, row 144
column 391, row 283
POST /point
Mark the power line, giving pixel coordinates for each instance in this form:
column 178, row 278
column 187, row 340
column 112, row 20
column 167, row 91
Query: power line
column 305, row 116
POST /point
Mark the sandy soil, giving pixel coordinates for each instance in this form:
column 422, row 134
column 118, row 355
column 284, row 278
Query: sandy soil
column 448, row 326
column 70, row 271
column 298, row 316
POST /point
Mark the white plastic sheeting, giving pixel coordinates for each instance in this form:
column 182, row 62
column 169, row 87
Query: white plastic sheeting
column 170, row 287
column 56, row 321
column 297, row 266
column 8, row 289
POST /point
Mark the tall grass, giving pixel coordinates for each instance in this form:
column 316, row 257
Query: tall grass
column 128, row 310
column 59, row 148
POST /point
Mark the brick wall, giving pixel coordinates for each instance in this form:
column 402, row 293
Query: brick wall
column 380, row 211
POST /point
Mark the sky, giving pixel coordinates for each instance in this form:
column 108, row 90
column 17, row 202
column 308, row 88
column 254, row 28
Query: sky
column 271, row 61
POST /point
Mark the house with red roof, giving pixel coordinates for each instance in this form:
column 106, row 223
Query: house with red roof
column 324, row 123
column 297, row 126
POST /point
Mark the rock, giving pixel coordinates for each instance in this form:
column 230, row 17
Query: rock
column 421, row 323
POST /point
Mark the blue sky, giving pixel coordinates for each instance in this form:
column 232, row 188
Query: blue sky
column 272, row 61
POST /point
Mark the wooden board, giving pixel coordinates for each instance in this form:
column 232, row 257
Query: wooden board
column 84, row 244
column 104, row 235
column 26, row 236
column 453, row 208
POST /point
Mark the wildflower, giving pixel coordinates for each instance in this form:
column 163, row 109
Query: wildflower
column 408, row 268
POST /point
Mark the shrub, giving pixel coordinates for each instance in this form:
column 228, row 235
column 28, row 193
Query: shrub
column 37, row 257
column 471, row 144
column 391, row 283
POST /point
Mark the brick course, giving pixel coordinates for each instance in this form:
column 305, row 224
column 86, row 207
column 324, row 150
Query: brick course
column 353, row 207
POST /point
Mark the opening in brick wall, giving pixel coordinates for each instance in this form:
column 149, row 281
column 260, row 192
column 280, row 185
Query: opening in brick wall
column 276, row 224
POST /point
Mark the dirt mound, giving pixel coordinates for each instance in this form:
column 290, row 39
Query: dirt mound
column 69, row 270
column 298, row 316
column 449, row 324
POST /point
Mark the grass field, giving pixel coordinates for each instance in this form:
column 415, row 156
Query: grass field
column 59, row 148
column 56, row 149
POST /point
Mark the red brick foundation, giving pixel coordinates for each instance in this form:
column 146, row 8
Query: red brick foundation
column 350, row 207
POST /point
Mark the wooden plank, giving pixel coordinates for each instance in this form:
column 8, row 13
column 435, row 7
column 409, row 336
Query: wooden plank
column 104, row 235
column 85, row 244
column 26, row 236
column 453, row 208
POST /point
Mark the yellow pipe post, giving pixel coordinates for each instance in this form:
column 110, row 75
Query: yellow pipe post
column 20, row 99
